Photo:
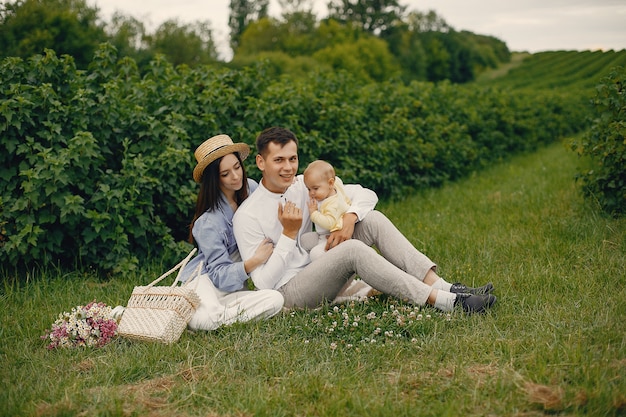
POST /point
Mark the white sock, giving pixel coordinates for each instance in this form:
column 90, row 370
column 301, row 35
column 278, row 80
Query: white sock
column 442, row 284
column 445, row 300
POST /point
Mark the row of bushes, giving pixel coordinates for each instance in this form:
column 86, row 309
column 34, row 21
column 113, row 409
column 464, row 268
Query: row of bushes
column 604, row 145
column 96, row 165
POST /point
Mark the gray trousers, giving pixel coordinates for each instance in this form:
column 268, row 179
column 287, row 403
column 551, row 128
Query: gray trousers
column 398, row 270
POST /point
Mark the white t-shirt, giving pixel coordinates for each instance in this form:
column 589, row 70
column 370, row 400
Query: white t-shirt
column 257, row 219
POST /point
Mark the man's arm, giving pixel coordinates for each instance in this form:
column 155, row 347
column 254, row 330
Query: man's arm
column 249, row 233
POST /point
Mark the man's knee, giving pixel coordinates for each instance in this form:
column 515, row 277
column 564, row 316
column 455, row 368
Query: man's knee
column 372, row 227
column 353, row 248
column 375, row 217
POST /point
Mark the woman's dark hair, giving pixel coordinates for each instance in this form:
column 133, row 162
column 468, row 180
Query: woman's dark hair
column 209, row 195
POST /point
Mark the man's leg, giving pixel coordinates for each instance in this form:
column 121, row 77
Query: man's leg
column 376, row 229
column 323, row 278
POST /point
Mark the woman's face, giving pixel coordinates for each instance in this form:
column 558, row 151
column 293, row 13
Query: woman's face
column 231, row 174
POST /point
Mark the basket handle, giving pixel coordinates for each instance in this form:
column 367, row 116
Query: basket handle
column 181, row 265
column 193, row 279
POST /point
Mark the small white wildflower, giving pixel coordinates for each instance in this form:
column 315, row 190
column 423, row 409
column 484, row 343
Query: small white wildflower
column 414, row 340
column 333, row 346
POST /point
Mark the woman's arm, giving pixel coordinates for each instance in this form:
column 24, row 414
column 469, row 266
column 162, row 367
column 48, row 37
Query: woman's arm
column 213, row 237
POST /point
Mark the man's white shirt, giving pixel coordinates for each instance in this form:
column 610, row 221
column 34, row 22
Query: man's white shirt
column 257, row 219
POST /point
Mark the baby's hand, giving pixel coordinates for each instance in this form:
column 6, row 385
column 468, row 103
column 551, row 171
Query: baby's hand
column 312, row 203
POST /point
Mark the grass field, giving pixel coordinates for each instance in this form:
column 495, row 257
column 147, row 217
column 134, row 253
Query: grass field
column 554, row 344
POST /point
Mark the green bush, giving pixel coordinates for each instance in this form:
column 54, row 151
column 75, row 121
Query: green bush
column 605, row 144
column 96, row 164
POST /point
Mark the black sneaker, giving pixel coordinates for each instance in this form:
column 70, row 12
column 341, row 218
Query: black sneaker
column 458, row 288
column 472, row 303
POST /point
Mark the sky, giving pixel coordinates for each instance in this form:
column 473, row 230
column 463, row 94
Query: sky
column 524, row 25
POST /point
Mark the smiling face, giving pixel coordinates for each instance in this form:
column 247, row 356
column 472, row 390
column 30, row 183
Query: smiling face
column 230, row 174
column 279, row 166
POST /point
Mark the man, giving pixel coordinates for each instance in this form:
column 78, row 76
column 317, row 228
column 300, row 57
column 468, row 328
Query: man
column 278, row 210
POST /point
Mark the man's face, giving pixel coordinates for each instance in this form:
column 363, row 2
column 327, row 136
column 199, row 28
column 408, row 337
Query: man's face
column 279, row 166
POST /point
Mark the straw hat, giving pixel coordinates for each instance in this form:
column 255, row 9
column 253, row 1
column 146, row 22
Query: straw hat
column 215, row 148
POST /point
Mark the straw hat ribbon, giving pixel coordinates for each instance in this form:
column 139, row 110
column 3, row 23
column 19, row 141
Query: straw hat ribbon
column 214, row 148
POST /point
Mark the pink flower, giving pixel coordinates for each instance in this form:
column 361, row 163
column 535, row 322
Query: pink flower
column 90, row 325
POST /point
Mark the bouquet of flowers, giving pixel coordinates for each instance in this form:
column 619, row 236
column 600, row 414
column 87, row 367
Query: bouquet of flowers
column 90, row 325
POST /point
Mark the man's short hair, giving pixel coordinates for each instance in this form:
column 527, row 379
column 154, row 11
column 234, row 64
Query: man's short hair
column 278, row 135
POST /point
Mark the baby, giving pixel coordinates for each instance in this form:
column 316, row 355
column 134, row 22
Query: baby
column 326, row 191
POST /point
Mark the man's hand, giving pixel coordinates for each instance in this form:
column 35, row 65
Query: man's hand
column 290, row 217
column 336, row 237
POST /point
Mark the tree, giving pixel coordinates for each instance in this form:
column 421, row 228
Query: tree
column 438, row 67
column 374, row 16
column 426, row 22
column 190, row 44
column 368, row 59
column 290, row 7
column 242, row 13
column 128, row 35
column 27, row 27
column 407, row 47
column 265, row 34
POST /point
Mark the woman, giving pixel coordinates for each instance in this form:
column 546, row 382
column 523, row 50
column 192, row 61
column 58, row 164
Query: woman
column 223, row 187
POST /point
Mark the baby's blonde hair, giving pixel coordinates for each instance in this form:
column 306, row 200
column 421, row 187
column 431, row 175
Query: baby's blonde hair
column 322, row 168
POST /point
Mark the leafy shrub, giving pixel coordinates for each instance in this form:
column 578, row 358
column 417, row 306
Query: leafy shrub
column 605, row 144
column 96, row 164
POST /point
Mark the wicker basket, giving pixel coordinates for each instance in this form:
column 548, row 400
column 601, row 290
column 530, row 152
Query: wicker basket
column 159, row 314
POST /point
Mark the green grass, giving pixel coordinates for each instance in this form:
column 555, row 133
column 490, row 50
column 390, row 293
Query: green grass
column 554, row 344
